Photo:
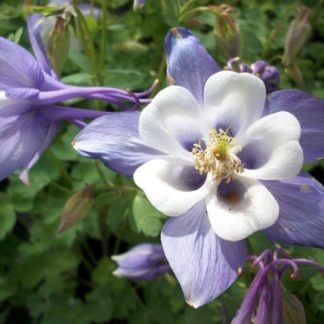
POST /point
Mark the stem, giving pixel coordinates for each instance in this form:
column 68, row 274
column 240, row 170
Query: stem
column 63, row 171
column 61, row 188
column 87, row 249
column 277, row 29
column 159, row 76
column 103, row 230
column 85, row 36
column 103, row 38
column 102, row 176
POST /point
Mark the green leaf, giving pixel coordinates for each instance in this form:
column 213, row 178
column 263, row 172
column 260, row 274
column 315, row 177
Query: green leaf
column 99, row 304
column 15, row 37
column 7, row 217
column 146, row 218
column 119, row 211
column 6, row 288
column 317, row 282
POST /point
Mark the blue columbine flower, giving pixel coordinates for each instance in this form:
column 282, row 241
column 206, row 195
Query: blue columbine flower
column 223, row 159
column 263, row 300
column 29, row 95
column 142, row 262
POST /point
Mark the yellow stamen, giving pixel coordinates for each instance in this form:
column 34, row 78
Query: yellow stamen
column 216, row 158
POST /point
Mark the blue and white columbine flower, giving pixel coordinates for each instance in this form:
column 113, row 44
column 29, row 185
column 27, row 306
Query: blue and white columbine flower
column 30, row 93
column 222, row 159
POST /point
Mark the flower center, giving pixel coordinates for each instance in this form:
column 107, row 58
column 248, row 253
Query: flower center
column 217, row 157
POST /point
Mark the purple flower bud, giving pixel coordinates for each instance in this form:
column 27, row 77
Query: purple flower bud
column 142, row 262
column 269, row 74
column 258, row 67
column 263, row 302
column 245, row 68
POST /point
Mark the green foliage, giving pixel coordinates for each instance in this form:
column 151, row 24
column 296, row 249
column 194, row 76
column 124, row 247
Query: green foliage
column 145, row 217
column 67, row 277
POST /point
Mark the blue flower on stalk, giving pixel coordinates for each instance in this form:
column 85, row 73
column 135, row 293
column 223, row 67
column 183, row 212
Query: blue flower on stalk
column 263, row 302
column 220, row 157
column 29, row 95
column 142, row 262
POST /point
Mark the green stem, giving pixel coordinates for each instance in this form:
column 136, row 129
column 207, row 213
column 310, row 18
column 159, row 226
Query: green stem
column 103, row 43
column 86, row 247
column 85, row 36
column 59, row 163
column 119, row 239
column 159, row 76
column 61, row 188
column 274, row 32
column 102, row 175
column 103, row 230
column 186, row 15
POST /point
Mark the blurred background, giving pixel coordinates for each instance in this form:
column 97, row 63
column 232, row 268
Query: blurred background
column 50, row 276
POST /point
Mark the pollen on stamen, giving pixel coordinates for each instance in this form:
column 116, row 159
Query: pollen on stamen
column 216, row 158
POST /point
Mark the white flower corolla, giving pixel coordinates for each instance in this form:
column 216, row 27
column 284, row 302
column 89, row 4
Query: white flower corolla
column 219, row 153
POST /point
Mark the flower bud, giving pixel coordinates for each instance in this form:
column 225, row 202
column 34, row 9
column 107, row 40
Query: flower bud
column 59, row 43
column 227, row 33
column 142, row 262
column 76, row 207
column 298, row 33
column 269, row 74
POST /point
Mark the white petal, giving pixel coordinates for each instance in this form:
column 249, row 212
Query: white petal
column 233, row 100
column 254, row 210
column 171, row 122
column 165, row 183
column 273, row 140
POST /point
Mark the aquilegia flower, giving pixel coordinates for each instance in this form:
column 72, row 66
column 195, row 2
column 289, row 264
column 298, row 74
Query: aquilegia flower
column 263, row 302
column 27, row 117
column 221, row 158
column 30, row 94
column 142, row 262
